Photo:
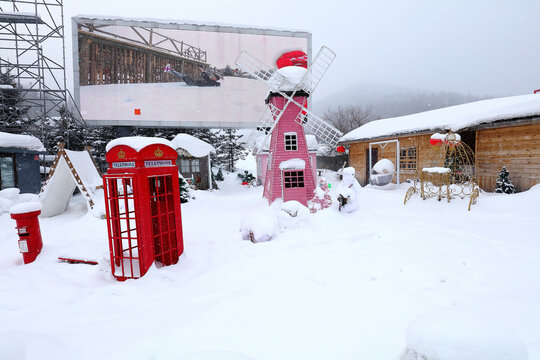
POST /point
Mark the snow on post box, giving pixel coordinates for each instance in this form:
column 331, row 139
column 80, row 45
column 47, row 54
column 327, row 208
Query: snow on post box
column 26, row 217
column 142, row 197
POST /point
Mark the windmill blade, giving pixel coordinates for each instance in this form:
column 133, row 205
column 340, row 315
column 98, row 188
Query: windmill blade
column 269, row 119
column 317, row 69
column 318, row 127
column 259, row 70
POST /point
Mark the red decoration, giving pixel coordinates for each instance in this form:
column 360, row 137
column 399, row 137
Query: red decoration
column 292, row 58
column 137, row 111
column 245, row 183
column 435, row 142
column 340, row 149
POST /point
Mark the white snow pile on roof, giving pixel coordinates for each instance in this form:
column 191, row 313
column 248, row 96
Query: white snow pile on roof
column 292, row 164
column 312, row 143
column 28, row 142
column 452, row 118
column 458, row 334
column 293, row 75
column 194, row 146
column 137, row 142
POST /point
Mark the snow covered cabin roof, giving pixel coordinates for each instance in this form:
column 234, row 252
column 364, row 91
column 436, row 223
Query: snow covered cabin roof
column 452, row 118
column 187, row 25
column 195, row 147
column 312, row 143
column 137, row 142
column 27, row 142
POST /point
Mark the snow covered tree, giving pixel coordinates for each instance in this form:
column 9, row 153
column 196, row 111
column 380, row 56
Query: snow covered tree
column 504, row 185
column 229, row 149
column 219, row 175
column 322, row 198
column 64, row 129
column 184, row 190
column 12, row 110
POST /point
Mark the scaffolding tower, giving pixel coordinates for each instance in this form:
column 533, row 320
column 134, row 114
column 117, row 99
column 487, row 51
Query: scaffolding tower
column 32, row 51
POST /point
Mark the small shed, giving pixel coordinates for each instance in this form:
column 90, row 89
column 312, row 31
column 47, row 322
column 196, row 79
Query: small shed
column 262, row 155
column 501, row 132
column 19, row 162
column 194, row 160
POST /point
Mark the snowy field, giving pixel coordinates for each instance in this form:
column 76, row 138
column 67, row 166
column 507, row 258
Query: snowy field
column 329, row 285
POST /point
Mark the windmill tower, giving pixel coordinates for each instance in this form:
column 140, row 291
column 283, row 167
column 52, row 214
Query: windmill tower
column 289, row 174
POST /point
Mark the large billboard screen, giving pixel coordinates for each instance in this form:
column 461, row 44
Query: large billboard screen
column 172, row 73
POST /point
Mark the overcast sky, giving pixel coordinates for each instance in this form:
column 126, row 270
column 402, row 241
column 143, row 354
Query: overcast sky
column 481, row 47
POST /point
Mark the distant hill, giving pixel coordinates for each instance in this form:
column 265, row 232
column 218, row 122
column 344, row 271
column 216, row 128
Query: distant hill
column 392, row 101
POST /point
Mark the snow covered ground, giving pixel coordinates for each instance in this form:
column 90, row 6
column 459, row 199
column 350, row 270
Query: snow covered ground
column 329, row 286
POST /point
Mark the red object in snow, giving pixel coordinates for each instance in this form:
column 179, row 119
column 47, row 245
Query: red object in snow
column 78, row 261
column 245, row 183
column 537, row 91
column 30, row 243
column 435, row 142
column 142, row 202
column 292, row 58
column 340, row 149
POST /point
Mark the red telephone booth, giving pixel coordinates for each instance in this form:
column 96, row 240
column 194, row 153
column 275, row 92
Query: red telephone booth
column 142, row 197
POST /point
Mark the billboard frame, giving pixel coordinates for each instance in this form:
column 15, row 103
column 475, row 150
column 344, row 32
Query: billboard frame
column 170, row 25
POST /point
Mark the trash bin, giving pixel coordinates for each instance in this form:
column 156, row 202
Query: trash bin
column 26, row 216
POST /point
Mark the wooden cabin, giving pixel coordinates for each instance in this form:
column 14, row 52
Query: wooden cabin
column 501, row 132
column 194, row 160
column 20, row 163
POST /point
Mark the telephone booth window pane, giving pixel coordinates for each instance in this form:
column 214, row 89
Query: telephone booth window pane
column 163, row 219
column 7, row 172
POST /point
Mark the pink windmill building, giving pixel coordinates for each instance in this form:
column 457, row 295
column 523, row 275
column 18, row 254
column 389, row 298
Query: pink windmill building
column 290, row 174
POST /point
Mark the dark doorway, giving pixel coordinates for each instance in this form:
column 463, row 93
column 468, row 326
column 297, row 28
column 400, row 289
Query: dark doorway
column 374, row 159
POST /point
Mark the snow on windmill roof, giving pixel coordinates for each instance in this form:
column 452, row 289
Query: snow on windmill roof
column 195, row 147
column 312, row 143
column 453, row 118
column 137, row 142
column 293, row 75
column 27, row 142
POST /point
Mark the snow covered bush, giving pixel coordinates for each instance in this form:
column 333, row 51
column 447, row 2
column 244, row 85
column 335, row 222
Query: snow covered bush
column 246, row 177
column 292, row 215
column 463, row 335
column 504, row 185
column 322, row 198
column 259, row 226
column 185, row 191
column 348, row 191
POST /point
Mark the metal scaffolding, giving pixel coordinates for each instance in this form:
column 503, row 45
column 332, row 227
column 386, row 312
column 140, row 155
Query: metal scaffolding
column 32, row 50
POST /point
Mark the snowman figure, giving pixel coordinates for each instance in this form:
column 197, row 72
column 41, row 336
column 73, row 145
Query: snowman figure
column 348, row 191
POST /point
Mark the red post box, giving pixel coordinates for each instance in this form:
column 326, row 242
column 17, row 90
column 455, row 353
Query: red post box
column 142, row 202
column 26, row 217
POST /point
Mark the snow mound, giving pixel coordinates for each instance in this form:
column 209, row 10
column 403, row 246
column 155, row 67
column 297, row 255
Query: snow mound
column 11, row 347
column 463, row 335
column 11, row 197
column 293, row 215
column 259, row 226
column 194, row 146
column 215, row 355
column 10, row 193
column 292, row 164
column 383, row 166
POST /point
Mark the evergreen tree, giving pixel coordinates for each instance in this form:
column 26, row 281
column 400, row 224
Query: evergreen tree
column 219, row 175
column 184, row 190
column 504, row 185
column 64, row 129
column 12, row 110
column 229, row 149
column 246, row 177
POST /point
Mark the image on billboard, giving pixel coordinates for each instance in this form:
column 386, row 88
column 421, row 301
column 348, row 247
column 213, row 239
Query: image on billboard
column 172, row 73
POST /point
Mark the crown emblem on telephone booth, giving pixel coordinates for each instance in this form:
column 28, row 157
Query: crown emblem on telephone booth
column 121, row 154
column 158, row 152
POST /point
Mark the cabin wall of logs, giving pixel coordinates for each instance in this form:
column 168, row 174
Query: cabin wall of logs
column 105, row 61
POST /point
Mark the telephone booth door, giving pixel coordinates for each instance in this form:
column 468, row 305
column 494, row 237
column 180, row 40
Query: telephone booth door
column 164, row 229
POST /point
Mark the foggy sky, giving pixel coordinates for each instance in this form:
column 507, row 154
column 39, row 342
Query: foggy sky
column 480, row 47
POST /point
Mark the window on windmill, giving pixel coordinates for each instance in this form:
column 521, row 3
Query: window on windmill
column 407, row 159
column 293, row 179
column 195, row 165
column 291, row 142
column 184, row 165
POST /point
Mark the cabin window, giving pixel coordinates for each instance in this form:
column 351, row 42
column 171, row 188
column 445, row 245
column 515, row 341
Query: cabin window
column 293, row 179
column 195, row 165
column 184, row 165
column 7, row 171
column 407, row 159
column 291, row 141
